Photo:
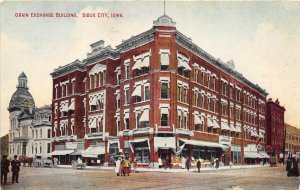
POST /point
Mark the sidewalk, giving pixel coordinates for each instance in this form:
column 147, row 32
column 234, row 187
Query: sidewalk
column 192, row 170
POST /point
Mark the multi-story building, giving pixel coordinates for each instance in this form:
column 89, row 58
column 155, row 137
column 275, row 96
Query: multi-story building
column 156, row 94
column 30, row 127
column 275, row 127
column 292, row 141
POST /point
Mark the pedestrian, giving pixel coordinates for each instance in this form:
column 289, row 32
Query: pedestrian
column 187, row 163
column 55, row 162
column 295, row 170
column 183, row 160
column 212, row 164
column 199, row 165
column 4, row 169
column 289, row 167
column 217, row 163
column 168, row 163
column 15, row 168
column 126, row 167
column 134, row 165
column 159, row 163
column 118, row 166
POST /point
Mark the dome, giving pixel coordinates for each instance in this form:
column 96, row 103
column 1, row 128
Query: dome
column 21, row 99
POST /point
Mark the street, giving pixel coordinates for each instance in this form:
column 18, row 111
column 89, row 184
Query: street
column 59, row 178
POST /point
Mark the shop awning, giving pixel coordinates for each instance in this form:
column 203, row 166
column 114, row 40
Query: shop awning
column 64, row 107
column 183, row 63
column 261, row 135
column 238, row 128
column 132, row 142
column 61, row 152
column 264, row 155
column 210, row 123
column 145, row 61
column 252, row 155
column 72, row 106
column 77, row 152
column 137, row 64
column 137, row 91
column 93, row 123
column 225, row 126
column 205, row 144
column 164, row 143
column 197, row 120
column 232, row 127
column 93, row 101
column 145, row 116
column 93, row 152
column 216, row 124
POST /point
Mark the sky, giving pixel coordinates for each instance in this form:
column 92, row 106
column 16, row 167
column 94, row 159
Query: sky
column 261, row 37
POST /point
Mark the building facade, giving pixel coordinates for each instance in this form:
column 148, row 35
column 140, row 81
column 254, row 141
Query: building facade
column 275, row 127
column 156, row 94
column 30, row 127
column 292, row 141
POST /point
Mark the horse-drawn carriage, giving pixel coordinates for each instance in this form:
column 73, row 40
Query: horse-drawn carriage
column 78, row 164
column 38, row 161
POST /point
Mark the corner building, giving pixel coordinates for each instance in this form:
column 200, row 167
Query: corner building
column 156, row 95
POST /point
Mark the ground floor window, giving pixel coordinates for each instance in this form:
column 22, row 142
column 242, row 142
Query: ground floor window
column 113, row 151
column 142, row 155
column 235, row 157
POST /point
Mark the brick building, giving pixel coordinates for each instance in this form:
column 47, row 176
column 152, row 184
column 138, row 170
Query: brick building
column 156, row 94
column 275, row 127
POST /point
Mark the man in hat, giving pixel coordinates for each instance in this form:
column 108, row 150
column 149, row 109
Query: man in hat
column 15, row 168
column 4, row 169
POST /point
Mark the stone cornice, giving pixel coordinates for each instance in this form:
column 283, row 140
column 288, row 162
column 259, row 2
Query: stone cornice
column 186, row 42
column 76, row 65
column 137, row 40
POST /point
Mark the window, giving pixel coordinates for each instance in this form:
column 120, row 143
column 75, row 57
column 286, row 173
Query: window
column 179, row 120
column 48, row 148
column 93, row 130
column 213, row 86
column 238, row 95
column 231, row 112
column 185, row 122
column 231, row 91
column 208, row 104
column 127, row 96
column 56, row 92
column 127, row 70
column 196, row 75
column 118, row 102
column 137, row 99
column 208, row 81
column 138, row 116
column 147, row 93
column 104, row 77
column 214, row 105
column 164, row 91
column 49, row 133
column 164, row 61
column 40, row 148
column 179, row 93
column 119, row 79
column 127, row 123
column 202, row 101
column 164, row 120
column 196, row 99
column 202, row 77
column 119, row 125
column 63, row 91
column 185, row 95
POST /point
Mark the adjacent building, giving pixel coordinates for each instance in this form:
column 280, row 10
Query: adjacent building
column 292, row 141
column 275, row 127
column 30, row 127
column 157, row 94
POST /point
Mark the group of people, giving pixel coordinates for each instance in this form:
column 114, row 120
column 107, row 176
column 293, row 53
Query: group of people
column 15, row 168
column 292, row 167
column 167, row 164
column 123, row 166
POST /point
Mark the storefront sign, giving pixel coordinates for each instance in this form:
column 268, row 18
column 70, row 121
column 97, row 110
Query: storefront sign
column 225, row 140
column 71, row 145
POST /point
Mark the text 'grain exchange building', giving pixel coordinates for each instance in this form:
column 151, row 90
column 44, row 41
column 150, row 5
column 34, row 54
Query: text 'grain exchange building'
column 156, row 95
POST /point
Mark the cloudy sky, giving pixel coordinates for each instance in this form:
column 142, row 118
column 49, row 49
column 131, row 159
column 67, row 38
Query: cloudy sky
column 261, row 37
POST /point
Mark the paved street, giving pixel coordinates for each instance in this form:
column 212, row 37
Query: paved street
column 59, row 178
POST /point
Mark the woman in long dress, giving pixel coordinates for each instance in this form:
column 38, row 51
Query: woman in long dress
column 118, row 164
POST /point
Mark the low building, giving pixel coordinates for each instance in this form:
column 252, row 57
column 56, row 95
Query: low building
column 292, row 141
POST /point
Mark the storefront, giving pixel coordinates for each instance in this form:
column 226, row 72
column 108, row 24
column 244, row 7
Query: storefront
column 94, row 154
column 141, row 149
column 62, row 154
column 113, row 147
column 236, row 154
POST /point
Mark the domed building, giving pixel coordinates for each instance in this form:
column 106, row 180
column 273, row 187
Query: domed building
column 28, row 123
